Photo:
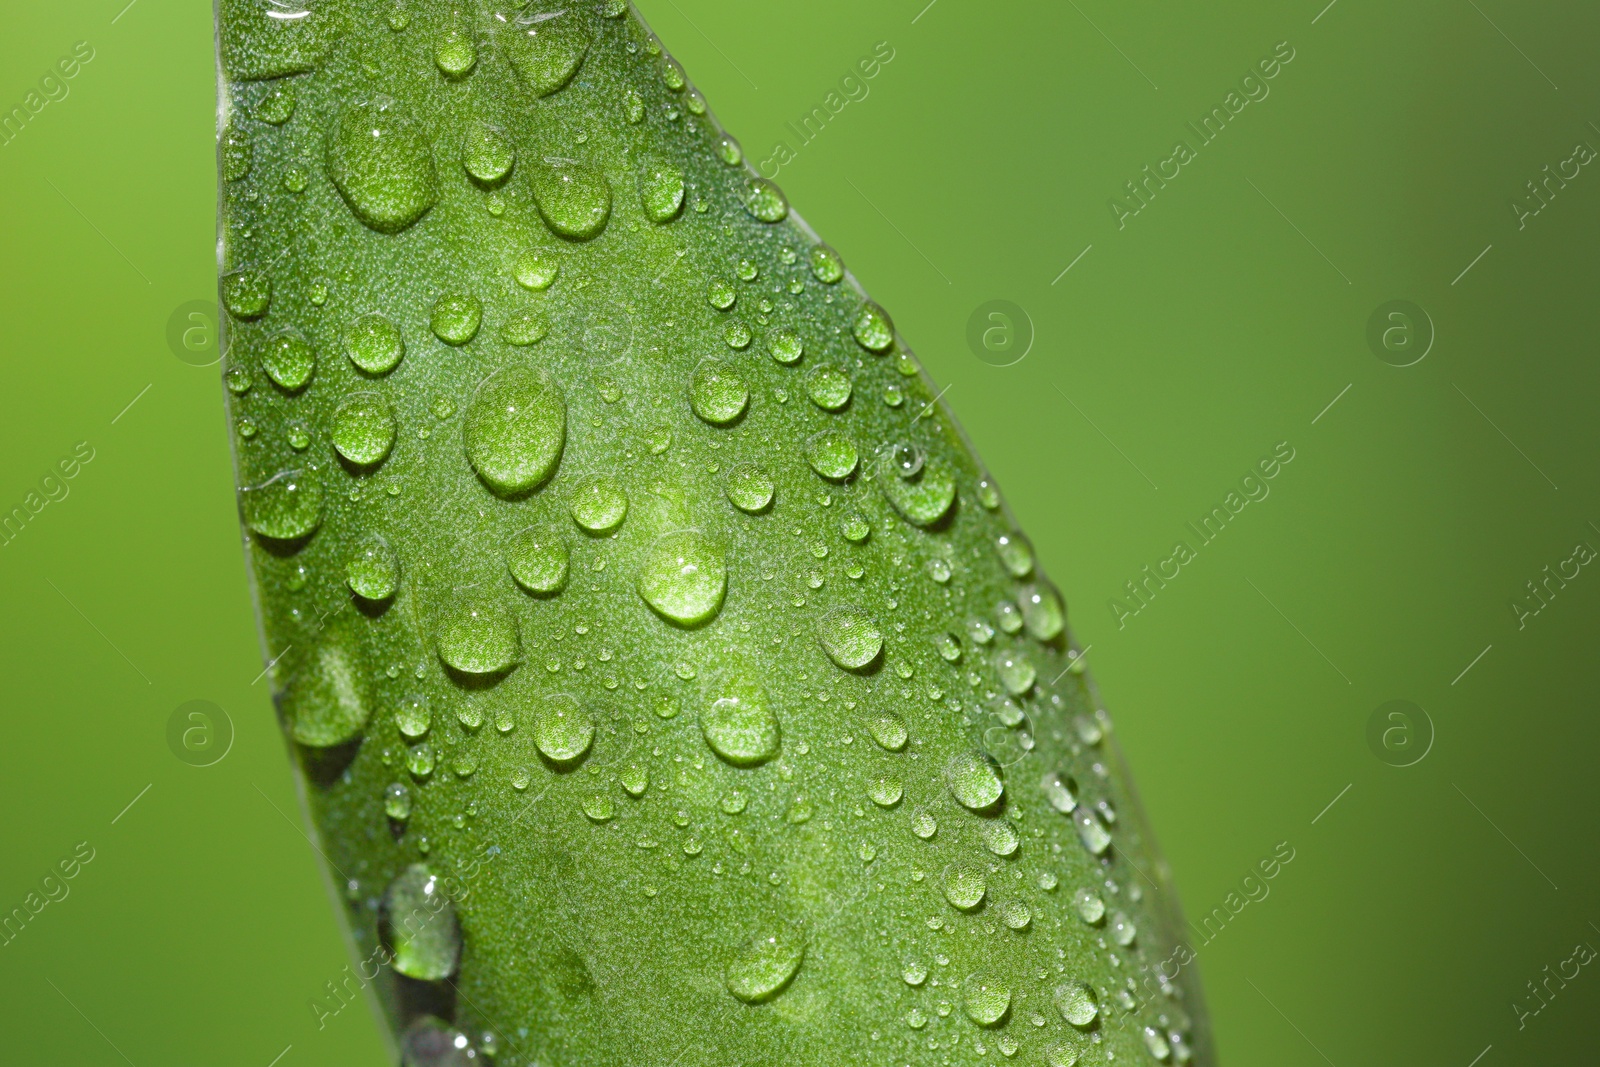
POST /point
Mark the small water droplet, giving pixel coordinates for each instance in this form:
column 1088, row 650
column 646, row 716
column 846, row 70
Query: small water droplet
column 562, row 728
column 766, row 966
column 850, row 637
column 764, row 200
column 964, row 886
column 374, row 572
column 456, row 317
column 832, row 455
column 888, row 730
column 538, row 559
column 1077, row 1003
column 826, row 264
column 661, row 191
column 1042, row 612
column 718, row 394
column 487, row 154
column 785, row 346
column 828, row 387
column 573, row 198
column 600, row 808
column 973, row 781
column 1016, row 553
column 749, row 487
column 986, row 998
column 741, row 726
column 247, row 293
column 536, row 270
column 598, row 503
column 545, row 49
column 872, row 328
column 363, row 429
column 286, row 507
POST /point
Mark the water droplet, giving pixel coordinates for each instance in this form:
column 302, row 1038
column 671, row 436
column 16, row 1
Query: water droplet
column 717, row 394
column 672, row 74
column 1015, row 914
column 546, row 49
column 921, row 498
column 598, row 503
column 1042, row 612
column 766, row 965
column 515, row 429
column 764, row 201
column 737, row 334
column 239, row 380
column 1157, row 1044
column 741, row 727
column 734, row 803
column 785, row 346
column 1000, row 838
column 600, row 808
column 973, row 781
column 1077, row 1003
column 374, row 572
column 914, row 973
column 949, row 647
column 456, row 317
column 562, row 728
column 277, row 106
column 1008, row 616
column 1016, row 673
column 454, row 52
column 749, row 487
column 363, row 429
column 479, row 637
column 1060, row 1055
column 826, row 264
column 888, row 730
column 1122, row 929
column 1061, row 791
column 382, row 164
column 939, row 570
column 397, row 801
column 427, row 950
column 488, row 154
column 986, row 998
column 413, row 716
column 247, row 293
column 684, row 577
column 728, row 151
column 537, row 270
column 833, row 455
column 374, row 344
column 886, row 791
column 1016, row 553
column 289, row 361
column 828, row 387
column 849, row 637
column 1094, row 836
column 525, row 329
column 854, row 527
column 538, row 560
column 964, row 886
column 419, row 761
column 286, row 507
column 325, row 700
column 924, row 825
column 238, row 155
column 661, row 191
column 574, row 198
column 873, row 329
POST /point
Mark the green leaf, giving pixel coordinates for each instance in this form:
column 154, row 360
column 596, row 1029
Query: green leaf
column 668, row 679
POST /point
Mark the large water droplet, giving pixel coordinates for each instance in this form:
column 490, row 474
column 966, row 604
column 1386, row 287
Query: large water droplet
column 515, row 428
column 973, row 781
column 413, row 716
column 364, row 429
column 828, row 387
column 986, row 998
column 1042, row 612
column 546, row 48
column 479, row 637
column 325, row 701
column 1060, row 791
column 832, row 455
column 538, row 560
column 537, row 270
column 598, row 503
column 717, row 394
column 277, row 106
column 922, row 498
column 872, row 327
column 374, row 344
column 661, row 190
column 766, row 966
column 574, row 198
column 886, row 791
column 418, row 924
column 749, row 487
column 562, row 728
column 1016, row 673
column 289, row 361
column 684, row 577
column 849, row 637
column 381, row 162
column 1016, row 553
column 247, row 293
column 826, row 264
column 764, row 200
column 487, row 154
column 373, row 573
column 286, row 507
column 888, row 730
column 1000, row 838
column 1091, row 832
column 1077, row 1003
column 456, row 317
column 786, row 346
column 1091, row 909
column 741, row 726
column 964, row 885
column 454, row 52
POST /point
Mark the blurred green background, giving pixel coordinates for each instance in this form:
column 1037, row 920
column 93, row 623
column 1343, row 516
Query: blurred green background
column 1179, row 349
